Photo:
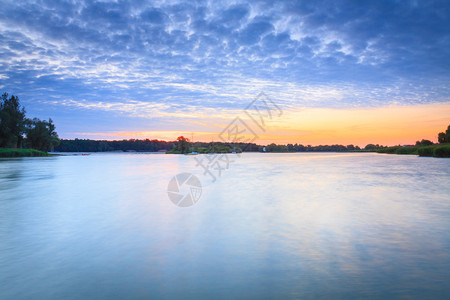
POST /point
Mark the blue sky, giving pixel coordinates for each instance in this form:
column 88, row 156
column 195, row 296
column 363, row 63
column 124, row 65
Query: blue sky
column 103, row 67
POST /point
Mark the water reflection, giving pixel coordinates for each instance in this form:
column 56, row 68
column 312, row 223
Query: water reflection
column 273, row 226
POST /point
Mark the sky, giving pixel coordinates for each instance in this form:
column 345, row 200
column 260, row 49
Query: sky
column 342, row 72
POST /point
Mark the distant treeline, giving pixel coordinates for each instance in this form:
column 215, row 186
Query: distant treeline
column 81, row 145
column 147, row 145
column 301, row 148
column 185, row 146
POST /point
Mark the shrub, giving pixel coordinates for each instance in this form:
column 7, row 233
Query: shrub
column 21, row 153
column 389, row 150
column 442, row 151
column 426, row 151
column 406, row 150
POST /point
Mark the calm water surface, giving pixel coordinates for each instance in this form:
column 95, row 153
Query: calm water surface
column 272, row 226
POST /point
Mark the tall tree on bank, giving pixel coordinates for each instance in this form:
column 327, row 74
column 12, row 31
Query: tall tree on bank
column 444, row 137
column 41, row 135
column 182, row 144
column 12, row 121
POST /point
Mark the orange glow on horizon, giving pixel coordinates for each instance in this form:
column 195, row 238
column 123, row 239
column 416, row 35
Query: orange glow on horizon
column 391, row 125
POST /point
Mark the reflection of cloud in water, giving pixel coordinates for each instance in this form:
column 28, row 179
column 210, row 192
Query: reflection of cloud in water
column 291, row 225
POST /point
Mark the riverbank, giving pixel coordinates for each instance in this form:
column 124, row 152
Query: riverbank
column 10, row 152
column 440, row 150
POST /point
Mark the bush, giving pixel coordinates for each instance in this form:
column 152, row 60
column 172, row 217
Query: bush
column 442, row 151
column 424, row 143
column 389, row 150
column 21, row 153
column 406, row 150
column 426, row 151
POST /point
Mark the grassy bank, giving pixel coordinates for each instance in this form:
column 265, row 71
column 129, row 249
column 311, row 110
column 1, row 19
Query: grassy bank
column 440, row 150
column 7, row 152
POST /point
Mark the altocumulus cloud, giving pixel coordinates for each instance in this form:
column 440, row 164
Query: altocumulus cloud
column 162, row 59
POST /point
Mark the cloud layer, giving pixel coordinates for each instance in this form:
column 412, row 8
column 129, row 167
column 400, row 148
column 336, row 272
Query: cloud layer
column 175, row 60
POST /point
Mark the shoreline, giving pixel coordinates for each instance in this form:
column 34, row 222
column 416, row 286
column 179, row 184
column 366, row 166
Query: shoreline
column 438, row 151
column 17, row 152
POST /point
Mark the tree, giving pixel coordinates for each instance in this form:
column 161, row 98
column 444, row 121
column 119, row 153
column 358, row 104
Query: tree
column 41, row 135
column 12, row 121
column 424, row 143
column 371, row 147
column 182, row 144
column 444, row 137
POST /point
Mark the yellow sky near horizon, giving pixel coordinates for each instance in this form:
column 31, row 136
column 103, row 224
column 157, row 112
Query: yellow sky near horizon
column 391, row 125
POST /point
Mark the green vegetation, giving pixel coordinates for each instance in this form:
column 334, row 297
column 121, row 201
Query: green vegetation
column 184, row 146
column 82, row 145
column 216, row 148
column 424, row 143
column 438, row 150
column 388, row 150
column 398, row 150
column 372, row 147
column 442, row 151
column 444, row 137
column 16, row 131
column 181, row 146
column 423, row 147
column 12, row 122
column 301, row 148
column 16, row 152
column 41, row 135
column 426, row 151
column 406, row 150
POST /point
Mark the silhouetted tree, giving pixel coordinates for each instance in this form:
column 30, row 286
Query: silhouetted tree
column 41, row 135
column 424, row 143
column 12, row 121
column 182, row 144
column 372, row 147
column 444, row 137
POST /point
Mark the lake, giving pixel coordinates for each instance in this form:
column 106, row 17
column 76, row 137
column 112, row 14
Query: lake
column 298, row 225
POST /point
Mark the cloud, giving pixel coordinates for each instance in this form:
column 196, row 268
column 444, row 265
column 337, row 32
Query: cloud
column 144, row 59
